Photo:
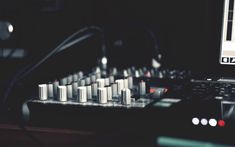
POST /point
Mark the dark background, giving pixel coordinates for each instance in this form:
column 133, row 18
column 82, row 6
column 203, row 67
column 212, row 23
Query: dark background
column 188, row 34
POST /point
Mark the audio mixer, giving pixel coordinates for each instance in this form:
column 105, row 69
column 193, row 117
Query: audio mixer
column 129, row 88
column 149, row 99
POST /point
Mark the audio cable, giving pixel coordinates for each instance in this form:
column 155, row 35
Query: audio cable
column 62, row 46
column 68, row 42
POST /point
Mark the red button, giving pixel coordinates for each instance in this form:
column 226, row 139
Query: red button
column 221, row 123
column 152, row 90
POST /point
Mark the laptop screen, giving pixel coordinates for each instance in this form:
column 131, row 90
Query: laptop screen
column 227, row 55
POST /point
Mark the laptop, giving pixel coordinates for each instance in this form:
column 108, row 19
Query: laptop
column 227, row 54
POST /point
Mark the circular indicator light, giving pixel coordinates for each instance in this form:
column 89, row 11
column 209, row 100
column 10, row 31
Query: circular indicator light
column 204, row 121
column 104, row 60
column 152, row 90
column 212, row 122
column 221, row 123
column 195, row 121
column 10, row 28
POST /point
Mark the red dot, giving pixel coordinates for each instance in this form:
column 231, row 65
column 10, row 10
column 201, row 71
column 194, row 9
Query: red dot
column 221, row 123
column 152, row 90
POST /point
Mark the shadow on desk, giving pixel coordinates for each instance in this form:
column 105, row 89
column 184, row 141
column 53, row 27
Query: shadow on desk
column 12, row 135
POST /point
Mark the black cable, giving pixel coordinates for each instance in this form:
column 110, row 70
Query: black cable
column 152, row 35
column 28, row 69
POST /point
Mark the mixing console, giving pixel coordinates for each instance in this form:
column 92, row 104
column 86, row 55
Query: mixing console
column 135, row 98
column 125, row 88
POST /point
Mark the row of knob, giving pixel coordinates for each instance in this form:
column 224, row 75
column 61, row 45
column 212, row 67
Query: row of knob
column 145, row 72
column 101, row 89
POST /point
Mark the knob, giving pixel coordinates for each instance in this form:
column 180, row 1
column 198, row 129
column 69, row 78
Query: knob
column 137, row 74
column 81, row 82
column 130, row 82
column 97, row 70
column 55, row 88
column 113, row 71
column 102, row 95
column 126, row 96
column 120, row 86
column 93, row 78
column 50, row 90
column 69, row 91
column 142, row 88
column 111, row 79
column 87, row 80
column 129, row 71
column 75, row 77
column 42, row 88
column 62, row 93
column 75, row 87
column 69, row 79
column 114, row 90
column 80, row 75
column 98, row 75
column 109, row 93
column 125, row 83
column 141, row 72
column 89, row 93
column 82, row 94
column 106, row 82
column 94, row 89
column 63, row 81
column 125, row 73
column 100, row 83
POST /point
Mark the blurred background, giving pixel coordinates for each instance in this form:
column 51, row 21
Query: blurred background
column 187, row 35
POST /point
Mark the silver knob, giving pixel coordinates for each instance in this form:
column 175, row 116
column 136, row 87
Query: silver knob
column 55, row 88
column 125, row 73
column 75, row 77
column 75, row 87
column 81, row 82
column 125, row 83
column 63, row 81
column 42, row 88
column 102, row 95
column 130, row 82
column 87, row 80
column 93, row 78
column 106, row 82
column 62, row 93
column 94, row 89
column 142, row 88
column 50, row 90
column 126, row 96
column 109, row 93
column 120, row 86
column 98, row 75
column 100, row 83
column 69, row 79
column 89, row 93
column 111, row 79
column 80, row 75
column 69, row 91
column 137, row 74
column 114, row 90
column 82, row 94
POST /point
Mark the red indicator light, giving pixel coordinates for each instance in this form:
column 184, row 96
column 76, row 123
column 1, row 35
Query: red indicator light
column 152, row 90
column 221, row 123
